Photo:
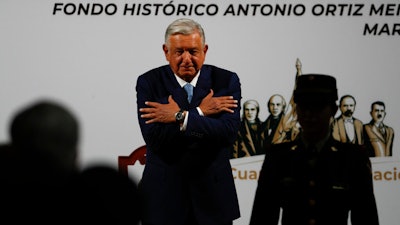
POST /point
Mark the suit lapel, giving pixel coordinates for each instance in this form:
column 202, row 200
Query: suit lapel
column 203, row 85
column 178, row 93
column 378, row 134
column 342, row 130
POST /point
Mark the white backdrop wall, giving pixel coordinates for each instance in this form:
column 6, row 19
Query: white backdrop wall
column 90, row 62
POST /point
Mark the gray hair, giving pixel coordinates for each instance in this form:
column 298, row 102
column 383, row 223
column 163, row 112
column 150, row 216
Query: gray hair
column 283, row 102
column 184, row 26
column 251, row 102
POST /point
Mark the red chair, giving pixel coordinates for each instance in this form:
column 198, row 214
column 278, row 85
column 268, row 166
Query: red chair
column 138, row 154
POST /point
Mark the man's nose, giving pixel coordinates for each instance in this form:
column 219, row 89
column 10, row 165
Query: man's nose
column 186, row 56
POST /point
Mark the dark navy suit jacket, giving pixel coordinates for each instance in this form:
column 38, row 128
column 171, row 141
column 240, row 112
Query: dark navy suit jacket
column 189, row 170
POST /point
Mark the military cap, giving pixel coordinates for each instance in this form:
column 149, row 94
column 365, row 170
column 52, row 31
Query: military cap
column 315, row 88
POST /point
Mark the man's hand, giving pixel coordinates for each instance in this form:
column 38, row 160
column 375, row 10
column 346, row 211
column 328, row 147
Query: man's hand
column 160, row 113
column 213, row 105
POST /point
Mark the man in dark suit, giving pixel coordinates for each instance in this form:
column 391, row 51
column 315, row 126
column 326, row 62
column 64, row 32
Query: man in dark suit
column 379, row 136
column 187, row 177
column 347, row 128
column 315, row 179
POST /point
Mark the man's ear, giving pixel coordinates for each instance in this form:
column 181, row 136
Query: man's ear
column 205, row 49
column 165, row 50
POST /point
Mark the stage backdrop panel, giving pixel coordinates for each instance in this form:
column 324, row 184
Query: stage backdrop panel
column 88, row 55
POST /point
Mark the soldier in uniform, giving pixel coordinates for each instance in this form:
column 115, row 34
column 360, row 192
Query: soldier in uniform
column 315, row 179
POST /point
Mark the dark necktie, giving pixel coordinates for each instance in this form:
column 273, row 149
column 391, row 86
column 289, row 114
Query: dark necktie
column 189, row 90
column 383, row 131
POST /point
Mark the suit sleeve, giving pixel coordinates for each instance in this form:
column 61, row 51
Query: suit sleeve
column 148, row 88
column 222, row 128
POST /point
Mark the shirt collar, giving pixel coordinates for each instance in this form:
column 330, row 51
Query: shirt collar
column 348, row 120
column 183, row 82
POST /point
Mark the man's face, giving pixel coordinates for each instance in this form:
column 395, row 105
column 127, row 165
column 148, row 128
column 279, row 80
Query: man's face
column 347, row 107
column 275, row 105
column 250, row 112
column 378, row 113
column 315, row 119
column 185, row 54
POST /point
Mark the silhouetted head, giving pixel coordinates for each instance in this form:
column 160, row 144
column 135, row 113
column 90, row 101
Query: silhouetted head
column 315, row 97
column 315, row 89
column 46, row 131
